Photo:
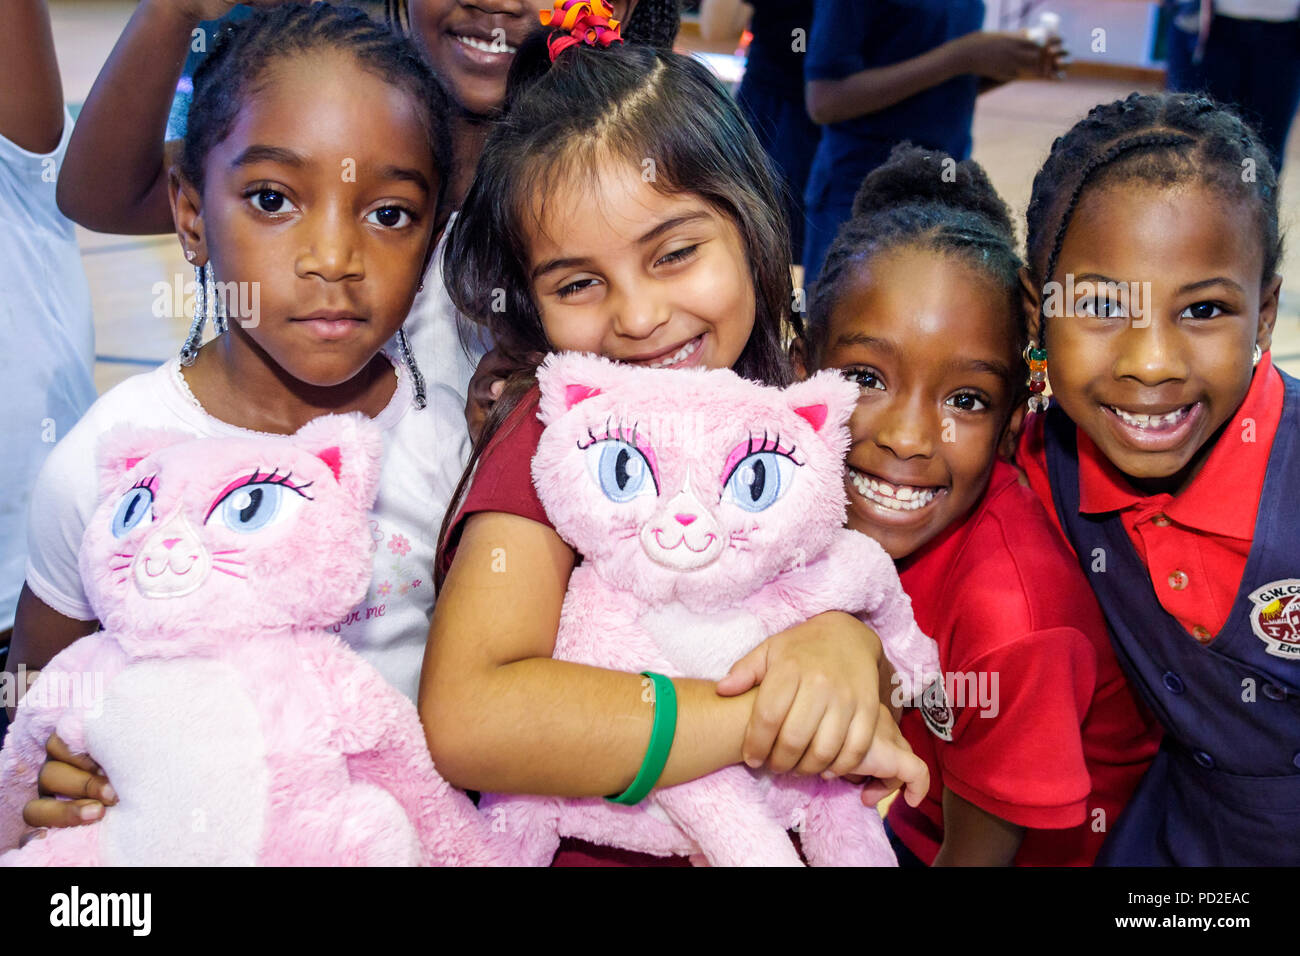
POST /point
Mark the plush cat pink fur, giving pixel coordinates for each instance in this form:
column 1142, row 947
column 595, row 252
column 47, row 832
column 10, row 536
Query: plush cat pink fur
column 234, row 727
column 709, row 514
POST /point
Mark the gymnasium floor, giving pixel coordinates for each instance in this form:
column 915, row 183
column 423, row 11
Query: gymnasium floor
column 1014, row 126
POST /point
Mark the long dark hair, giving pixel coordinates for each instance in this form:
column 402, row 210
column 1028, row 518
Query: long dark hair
column 644, row 105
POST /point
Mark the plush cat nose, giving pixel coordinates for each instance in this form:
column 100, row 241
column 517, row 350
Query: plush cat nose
column 170, row 543
column 684, row 519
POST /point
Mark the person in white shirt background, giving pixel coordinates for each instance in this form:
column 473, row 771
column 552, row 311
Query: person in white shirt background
column 45, row 318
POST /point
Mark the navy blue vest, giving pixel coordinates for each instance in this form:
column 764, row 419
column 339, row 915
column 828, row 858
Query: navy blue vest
column 1225, row 788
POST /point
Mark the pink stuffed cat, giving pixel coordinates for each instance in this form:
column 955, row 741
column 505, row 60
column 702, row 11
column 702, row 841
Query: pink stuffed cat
column 235, row 729
column 708, row 511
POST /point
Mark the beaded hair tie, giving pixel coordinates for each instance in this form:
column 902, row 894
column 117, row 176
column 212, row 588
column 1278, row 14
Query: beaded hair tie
column 587, row 21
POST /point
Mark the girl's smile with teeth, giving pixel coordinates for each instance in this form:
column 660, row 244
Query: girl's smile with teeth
column 1151, row 421
column 895, row 497
column 487, row 46
column 680, row 356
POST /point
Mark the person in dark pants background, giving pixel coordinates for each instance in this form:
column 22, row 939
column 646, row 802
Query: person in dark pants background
column 1250, row 59
column 771, row 92
column 881, row 72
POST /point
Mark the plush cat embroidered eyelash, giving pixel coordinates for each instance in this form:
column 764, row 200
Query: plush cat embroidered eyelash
column 708, row 511
column 215, row 567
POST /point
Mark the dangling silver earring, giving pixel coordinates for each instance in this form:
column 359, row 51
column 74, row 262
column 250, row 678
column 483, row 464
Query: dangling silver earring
column 190, row 350
column 216, row 303
column 417, row 380
column 1254, row 359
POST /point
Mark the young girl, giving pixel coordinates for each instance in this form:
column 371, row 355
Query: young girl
column 332, row 262
column 1169, row 456
column 1039, row 742
column 622, row 207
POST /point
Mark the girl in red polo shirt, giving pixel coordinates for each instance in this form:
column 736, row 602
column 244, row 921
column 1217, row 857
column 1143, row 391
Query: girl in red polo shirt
column 623, row 207
column 1036, row 742
column 1170, row 455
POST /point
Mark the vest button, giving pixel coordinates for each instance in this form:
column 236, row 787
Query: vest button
column 1178, row 580
column 1296, row 760
column 1173, row 682
column 1203, row 760
column 1160, row 520
column 1202, row 634
column 1273, row 692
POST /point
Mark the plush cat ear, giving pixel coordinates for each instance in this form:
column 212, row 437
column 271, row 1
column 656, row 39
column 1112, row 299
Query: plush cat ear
column 123, row 447
column 567, row 378
column 353, row 449
column 824, row 401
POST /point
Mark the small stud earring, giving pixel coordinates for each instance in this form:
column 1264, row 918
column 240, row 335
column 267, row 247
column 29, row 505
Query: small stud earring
column 189, row 255
column 1036, row 359
column 1254, row 359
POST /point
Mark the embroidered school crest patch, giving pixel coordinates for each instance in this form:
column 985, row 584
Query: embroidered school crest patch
column 936, row 713
column 1275, row 617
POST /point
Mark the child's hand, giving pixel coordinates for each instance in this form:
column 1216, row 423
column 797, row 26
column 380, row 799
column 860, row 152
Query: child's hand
column 74, row 777
column 890, row 764
column 1003, row 57
column 818, row 698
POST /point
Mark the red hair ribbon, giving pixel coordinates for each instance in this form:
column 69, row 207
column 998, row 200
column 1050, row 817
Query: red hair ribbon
column 587, row 21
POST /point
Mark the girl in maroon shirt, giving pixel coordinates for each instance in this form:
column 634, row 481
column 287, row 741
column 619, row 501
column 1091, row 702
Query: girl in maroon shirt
column 624, row 208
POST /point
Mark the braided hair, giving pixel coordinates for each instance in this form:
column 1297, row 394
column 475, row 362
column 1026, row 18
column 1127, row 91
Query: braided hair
column 921, row 199
column 1158, row 138
column 244, row 49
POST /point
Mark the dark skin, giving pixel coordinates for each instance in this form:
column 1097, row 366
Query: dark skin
column 996, row 58
column 275, row 210
column 928, row 340
column 1188, row 355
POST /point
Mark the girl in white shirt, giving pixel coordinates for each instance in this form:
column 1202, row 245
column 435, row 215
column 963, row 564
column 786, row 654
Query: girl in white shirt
column 310, row 181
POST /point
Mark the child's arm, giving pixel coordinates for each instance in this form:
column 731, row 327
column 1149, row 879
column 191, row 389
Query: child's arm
column 1000, row 57
column 39, row 634
column 501, row 715
column 31, row 97
column 975, row 837
column 114, row 178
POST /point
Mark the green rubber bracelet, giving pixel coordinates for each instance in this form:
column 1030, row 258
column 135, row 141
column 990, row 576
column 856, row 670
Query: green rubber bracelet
column 661, row 742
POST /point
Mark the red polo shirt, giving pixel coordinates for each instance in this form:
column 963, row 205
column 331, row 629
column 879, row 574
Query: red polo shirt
column 1194, row 544
column 1044, row 731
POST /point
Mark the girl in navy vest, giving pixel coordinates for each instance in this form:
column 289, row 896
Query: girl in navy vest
column 1170, row 455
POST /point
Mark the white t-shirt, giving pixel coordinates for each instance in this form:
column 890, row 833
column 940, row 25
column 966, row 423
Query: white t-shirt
column 424, row 453
column 47, row 340
column 432, row 331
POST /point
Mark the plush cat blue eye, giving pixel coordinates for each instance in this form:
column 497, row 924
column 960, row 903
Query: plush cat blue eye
column 251, row 507
column 758, row 480
column 136, row 505
column 620, row 469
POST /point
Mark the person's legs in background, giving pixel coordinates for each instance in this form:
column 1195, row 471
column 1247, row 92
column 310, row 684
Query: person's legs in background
column 1255, row 66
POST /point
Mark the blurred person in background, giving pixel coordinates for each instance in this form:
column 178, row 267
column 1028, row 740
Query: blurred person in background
column 881, row 72
column 1243, row 53
column 771, row 93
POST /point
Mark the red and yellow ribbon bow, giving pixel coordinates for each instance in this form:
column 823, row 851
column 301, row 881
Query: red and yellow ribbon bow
column 586, row 21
